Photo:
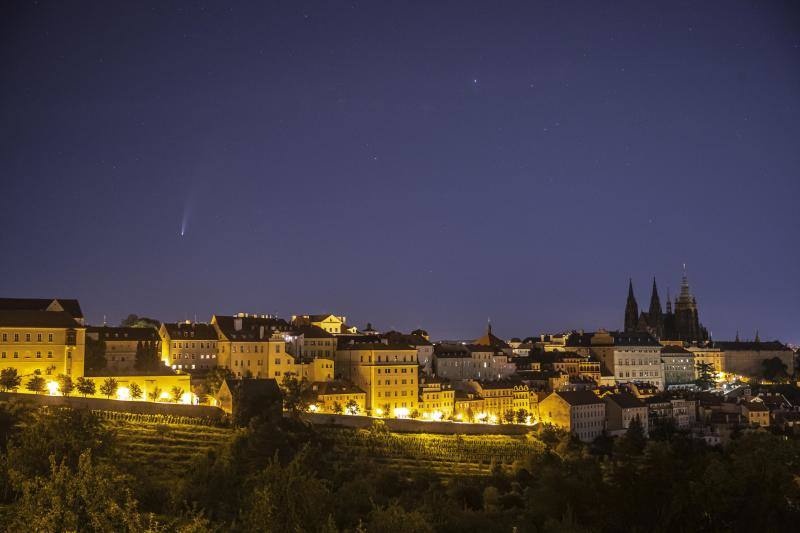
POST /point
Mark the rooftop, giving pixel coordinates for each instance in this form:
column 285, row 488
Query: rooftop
column 579, row 397
column 37, row 319
column 69, row 305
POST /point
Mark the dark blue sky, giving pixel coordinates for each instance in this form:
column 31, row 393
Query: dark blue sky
column 432, row 164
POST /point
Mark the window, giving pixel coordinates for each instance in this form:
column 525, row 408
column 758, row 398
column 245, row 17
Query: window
column 49, row 355
column 277, row 360
column 38, row 337
column 16, row 337
column 27, row 337
column 38, row 355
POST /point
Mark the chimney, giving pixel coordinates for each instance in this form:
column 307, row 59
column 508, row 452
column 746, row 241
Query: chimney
column 261, row 332
column 237, row 323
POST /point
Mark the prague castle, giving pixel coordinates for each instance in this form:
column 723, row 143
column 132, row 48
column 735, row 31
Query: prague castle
column 681, row 323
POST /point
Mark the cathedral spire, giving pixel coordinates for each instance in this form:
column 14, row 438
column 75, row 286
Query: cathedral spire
column 655, row 302
column 737, row 336
column 631, row 310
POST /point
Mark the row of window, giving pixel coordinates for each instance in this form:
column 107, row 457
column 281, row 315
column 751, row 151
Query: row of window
column 4, row 355
column 192, row 344
column 389, row 370
column 388, row 394
column 642, row 374
column 192, row 356
column 28, row 337
column 318, row 343
column 389, row 382
column 260, row 362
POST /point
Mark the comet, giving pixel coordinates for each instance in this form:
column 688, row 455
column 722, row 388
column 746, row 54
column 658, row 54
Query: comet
column 185, row 218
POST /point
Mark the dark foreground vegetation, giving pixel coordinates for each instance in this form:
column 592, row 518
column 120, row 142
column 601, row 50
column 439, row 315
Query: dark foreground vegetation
column 68, row 470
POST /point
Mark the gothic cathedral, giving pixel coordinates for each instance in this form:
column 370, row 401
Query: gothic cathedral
column 682, row 324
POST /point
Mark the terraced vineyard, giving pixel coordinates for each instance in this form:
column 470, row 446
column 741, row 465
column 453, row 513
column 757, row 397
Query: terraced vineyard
column 163, row 446
column 447, row 455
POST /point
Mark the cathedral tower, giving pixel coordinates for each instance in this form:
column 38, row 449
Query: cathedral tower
column 655, row 319
column 631, row 310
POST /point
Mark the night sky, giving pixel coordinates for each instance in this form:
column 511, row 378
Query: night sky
column 426, row 164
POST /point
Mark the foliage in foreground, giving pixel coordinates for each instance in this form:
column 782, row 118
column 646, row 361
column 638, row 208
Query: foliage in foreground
column 71, row 470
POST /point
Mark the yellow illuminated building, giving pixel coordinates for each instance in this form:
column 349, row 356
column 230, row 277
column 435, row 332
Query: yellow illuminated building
column 333, row 396
column 315, row 370
column 582, row 413
column 493, row 401
column 189, row 346
column 333, row 324
column 253, row 346
column 436, row 399
column 386, row 372
column 40, row 336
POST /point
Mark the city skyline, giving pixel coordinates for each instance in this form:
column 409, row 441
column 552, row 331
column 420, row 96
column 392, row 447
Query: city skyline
column 409, row 166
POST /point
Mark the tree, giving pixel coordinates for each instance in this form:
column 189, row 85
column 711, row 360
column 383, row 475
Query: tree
column 136, row 391
column 154, row 394
column 215, row 377
column 60, row 432
column 705, row 375
column 176, row 393
column 90, row 498
column 65, row 384
column 86, row 386
column 10, row 379
column 774, row 370
column 394, row 518
column 296, row 394
column 337, row 408
column 109, row 387
column 387, row 410
column 134, row 321
column 288, row 498
column 95, row 354
column 634, row 440
column 414, row 414
column 147, row 357
column 522, row 416
column 36, row 384
column 352, row 407
column 509, row 416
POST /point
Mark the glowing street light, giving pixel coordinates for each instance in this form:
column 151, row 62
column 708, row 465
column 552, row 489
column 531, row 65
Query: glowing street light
column 52, row 387
column 313, row 408
column 400, row 412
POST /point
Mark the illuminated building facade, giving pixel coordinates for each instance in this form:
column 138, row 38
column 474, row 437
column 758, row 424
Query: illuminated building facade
column 189, row 346
column 388, row 374
column 253, row 346
column 48, row 340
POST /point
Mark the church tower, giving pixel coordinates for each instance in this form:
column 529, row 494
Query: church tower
column 687, row 321
column 631, row 310
column 655, row 319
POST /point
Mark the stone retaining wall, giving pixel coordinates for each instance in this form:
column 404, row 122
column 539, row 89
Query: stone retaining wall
column 406, row 425
column 148, row 408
